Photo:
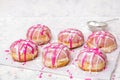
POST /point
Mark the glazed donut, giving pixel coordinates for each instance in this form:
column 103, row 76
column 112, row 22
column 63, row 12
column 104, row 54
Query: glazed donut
column 55, row 55
column 23, row 50
column 71, row 38
column 40, row 34
column 90, row 59
column 103, row 40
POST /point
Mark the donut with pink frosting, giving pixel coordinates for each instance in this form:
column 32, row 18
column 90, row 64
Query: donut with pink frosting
column 39, row 33
column 71, row 37
column 103, row 40
column 91, row 59
column 23, row 50
column 55, row 55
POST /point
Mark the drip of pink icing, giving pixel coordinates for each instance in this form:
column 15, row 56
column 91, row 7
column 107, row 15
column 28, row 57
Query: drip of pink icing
column 101, row 35
column 23, row 44
column 34, row 28
column 84, row 60
column 69, row 32
column 70, row 40
column 25, row 53
column 31, row 36
column 95, row 51
column 42, row 30
column 54, row 56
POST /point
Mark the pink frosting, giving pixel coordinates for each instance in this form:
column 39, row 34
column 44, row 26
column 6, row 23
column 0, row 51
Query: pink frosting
column 93, row 52
column 71, row 35
column 22, row 47
column 56, row 49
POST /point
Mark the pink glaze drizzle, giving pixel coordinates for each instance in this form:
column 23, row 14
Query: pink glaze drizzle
column 70, row 40
column 57, row 48
column 21, row 46
column 71, row 34
column 41, row 28
column 93, row 52
column 101, row 37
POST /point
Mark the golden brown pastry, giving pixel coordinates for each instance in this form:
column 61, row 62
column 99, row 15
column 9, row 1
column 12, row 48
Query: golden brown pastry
column 40, row 34
column 71, row 38
column 23, row 50
column 55, row 55
column 93, row 60
column 103, row 40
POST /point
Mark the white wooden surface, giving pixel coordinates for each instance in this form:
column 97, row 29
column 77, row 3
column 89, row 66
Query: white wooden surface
column 74, row 9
